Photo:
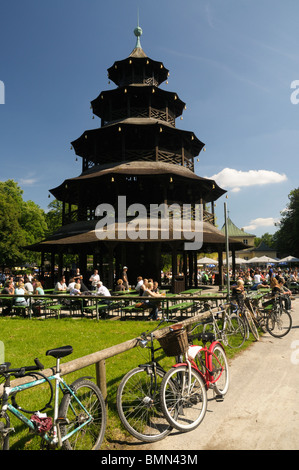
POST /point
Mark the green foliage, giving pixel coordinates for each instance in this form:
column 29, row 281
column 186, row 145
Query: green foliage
column 287, row 236
column 21, row 224
column 54, row 216
column 267, row 238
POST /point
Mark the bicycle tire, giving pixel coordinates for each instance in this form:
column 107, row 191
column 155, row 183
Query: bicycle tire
column 221, row 377
column 138, row 405
column 279, row 323
column 235, row 331
column 4, row 436
column 91, row 436
column 251, row 324
column 183, row 409
column 260, row 319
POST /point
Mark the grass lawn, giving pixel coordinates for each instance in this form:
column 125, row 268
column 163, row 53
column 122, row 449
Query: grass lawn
column 26, row 339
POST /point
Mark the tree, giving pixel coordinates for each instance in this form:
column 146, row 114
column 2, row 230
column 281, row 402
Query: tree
column 287, row 237
column 267, row 238
column 21, row 224
column 54, row 216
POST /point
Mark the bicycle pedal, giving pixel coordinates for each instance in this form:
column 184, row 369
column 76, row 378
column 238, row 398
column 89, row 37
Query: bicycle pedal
column 219, row 397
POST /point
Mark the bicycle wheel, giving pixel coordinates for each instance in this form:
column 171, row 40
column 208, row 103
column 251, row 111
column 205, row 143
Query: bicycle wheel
column 234, row 333
column 91, row 435
column 138, row 404
column 219, row 366
column 260, row 319
column 4, row 436
column 251, row 324
column 183, row 398
column 279, row 323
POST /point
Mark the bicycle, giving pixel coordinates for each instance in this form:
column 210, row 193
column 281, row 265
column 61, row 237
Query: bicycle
column 228, row 327
column 138, row 402
column 239, row 306
column 183, row 391
column 279, row 320
column 79, row 422
column 273, row 318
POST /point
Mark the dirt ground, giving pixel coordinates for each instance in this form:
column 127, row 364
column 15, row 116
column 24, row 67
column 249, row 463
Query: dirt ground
column 261, row 408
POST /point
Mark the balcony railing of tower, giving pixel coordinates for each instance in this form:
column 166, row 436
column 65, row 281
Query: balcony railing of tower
column 135, row 79
column 147, row 112
column 182, row 210
column 129, row 155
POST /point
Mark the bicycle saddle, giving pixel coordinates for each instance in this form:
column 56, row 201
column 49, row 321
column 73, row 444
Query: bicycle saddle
column 208, row 337
column 60, row 352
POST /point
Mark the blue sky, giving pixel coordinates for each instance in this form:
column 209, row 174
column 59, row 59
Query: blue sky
column 232, row 62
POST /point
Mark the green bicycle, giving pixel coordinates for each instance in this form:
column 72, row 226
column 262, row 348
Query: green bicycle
column 78, row 423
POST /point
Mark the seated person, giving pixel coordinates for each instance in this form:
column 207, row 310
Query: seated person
column 285, row 292
column 71, row 285
column 8, row 288
column 120, row 286
column 139, row 284
column 28, row 285
column 60, row 285
column 76, row 289
column 36, row 306
column 7, row 303
column 257, row 280
column 103, row 291
column 154, row 305
column 39, row 289
column 238, row 292
column 20, row 290
column 155, row 287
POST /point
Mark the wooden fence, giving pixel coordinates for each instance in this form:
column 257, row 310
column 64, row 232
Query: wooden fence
column 98, row 358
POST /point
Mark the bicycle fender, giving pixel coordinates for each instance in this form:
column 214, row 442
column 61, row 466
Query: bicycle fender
column 186, row 365
column 212, row 345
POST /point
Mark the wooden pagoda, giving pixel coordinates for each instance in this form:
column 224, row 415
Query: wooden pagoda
column 137, row 152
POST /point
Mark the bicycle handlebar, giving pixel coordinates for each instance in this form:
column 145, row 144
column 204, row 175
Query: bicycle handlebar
column 19, row 372
column 163, row 320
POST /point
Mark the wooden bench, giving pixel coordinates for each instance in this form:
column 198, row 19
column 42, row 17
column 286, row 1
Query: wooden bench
column 98, row 308
column 131, row 309
column 179, row 307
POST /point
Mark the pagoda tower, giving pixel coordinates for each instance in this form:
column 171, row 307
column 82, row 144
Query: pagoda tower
column 137, row 153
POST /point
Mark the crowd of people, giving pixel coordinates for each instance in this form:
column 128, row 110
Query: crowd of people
column 22, row 286
column 280, row 281
column 252, row 278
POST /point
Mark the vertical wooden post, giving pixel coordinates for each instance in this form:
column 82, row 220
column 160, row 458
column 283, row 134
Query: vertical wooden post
column 101, row 378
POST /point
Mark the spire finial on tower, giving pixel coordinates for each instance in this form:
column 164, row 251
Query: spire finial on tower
column 138, row 32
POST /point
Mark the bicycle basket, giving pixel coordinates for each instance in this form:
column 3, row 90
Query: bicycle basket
column 175, row 342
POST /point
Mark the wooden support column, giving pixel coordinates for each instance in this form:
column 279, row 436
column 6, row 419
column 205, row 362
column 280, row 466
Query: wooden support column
column 195, row 268
column 220, row 267
column 233, row 263
column 191, row 271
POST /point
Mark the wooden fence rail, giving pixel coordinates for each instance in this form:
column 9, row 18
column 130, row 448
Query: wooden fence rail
column 98, row 358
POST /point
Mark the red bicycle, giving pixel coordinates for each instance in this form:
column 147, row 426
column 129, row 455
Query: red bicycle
column 183, row 391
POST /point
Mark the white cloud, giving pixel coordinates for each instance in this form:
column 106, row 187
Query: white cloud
column 27, row 181
column 260, row 222
column 236, row 179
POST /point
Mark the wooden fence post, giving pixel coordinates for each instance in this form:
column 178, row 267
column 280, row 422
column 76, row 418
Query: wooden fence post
column 101, row 378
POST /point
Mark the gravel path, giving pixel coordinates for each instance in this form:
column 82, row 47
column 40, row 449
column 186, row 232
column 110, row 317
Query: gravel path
column 261, row 408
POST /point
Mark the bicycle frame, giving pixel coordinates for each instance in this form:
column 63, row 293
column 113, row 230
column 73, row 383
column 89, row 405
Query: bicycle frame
column 59, row 384
column 207, row 364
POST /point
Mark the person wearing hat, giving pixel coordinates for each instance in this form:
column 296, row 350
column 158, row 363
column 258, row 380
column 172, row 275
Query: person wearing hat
column 124, row 277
